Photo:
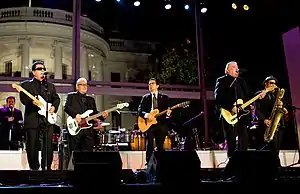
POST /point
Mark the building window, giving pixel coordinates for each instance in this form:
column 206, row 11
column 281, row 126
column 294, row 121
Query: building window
column 115, row 77
column 8, row 68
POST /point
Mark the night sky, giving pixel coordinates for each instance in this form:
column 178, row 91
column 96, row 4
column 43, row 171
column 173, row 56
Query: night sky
column 252, row 38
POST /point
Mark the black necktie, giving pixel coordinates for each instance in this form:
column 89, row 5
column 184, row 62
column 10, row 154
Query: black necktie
column 154, row 102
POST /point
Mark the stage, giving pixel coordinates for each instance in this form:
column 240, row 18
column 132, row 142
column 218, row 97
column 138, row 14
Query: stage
column 17, row 160
column 15, row 176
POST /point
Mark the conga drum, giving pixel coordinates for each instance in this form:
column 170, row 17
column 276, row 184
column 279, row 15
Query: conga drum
column 167, row 143
column 139, row 142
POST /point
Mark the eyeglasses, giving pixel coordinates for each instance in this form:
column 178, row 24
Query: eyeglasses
column 40, row 69
column 82, row 84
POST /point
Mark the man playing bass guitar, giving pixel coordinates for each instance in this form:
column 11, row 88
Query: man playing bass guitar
column 76, row 104
column 159, row 131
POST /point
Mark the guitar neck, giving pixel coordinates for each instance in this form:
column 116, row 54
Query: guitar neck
column 28, row 94
column 99, row 114
column 250, row 101
column 164, row 112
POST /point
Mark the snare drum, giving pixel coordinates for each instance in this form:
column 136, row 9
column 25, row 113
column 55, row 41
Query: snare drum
column 107, row 138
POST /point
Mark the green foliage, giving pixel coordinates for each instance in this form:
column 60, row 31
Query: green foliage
column 178, row 67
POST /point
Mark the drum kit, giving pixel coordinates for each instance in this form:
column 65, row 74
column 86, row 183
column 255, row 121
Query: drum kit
column 133, row 140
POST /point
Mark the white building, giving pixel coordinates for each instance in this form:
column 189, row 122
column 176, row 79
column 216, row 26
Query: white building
column 28, row 34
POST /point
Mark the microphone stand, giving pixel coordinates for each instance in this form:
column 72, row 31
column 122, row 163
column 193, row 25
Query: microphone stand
column 45, row 138
column 10, row 130
column 233, row 83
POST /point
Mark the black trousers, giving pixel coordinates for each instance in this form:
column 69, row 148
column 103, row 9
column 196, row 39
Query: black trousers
column 39, row 139
column 273, row 145
column 83, row 141
column 158, row 132
column 240, row 131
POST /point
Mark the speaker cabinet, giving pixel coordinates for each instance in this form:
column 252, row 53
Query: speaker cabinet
column 94, row 169
column 172, row 167
column 253, row 165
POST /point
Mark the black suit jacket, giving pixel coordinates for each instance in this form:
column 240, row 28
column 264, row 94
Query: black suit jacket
column 32, row 119
column 146, row 105
column 225, row 94
column 74, row 105
column 5, row 113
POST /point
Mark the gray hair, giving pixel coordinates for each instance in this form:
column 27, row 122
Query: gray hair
column 81, row 79
column 228, row 64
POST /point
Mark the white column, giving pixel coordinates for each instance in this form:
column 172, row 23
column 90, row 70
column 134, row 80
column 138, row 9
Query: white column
column 25, row 57
column 60, row 112
column 58, row 54
column 99, row 77
column 84, row 63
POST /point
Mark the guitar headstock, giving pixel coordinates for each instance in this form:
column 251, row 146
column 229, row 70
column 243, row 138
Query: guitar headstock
column 16, row 86
column 182, row 104
column 122, row 105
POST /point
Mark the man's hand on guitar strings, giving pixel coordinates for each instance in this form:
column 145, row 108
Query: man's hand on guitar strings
column 52, row 109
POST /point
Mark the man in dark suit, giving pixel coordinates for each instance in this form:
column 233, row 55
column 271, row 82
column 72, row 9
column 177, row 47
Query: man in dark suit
column 264, row 108
column 228, row 89
column 11, row 120
column 159, row 131
column 76, row 104
column 36, row 125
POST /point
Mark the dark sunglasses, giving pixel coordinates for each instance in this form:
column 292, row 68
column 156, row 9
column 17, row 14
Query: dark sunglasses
column 40, row 69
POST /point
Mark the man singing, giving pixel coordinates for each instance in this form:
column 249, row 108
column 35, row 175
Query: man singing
column 228, row 89
column 35, row 124
column 159, row 131
column 11, row 120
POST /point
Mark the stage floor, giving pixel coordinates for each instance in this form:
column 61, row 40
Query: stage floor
column 17, row 160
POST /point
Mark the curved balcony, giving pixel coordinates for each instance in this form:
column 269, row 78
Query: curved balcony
column 36, row 14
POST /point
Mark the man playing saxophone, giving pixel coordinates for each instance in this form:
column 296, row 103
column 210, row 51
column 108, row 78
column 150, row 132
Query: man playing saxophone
column 270, row 111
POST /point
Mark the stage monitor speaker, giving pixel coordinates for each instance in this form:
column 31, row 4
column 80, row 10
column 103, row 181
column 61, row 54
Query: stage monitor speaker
column 253, row 165
column 94, row 169
column 174, row 167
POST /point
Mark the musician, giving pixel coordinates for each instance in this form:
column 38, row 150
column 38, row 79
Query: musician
column 77, row 103
column 11, row 120
column 37, row 127
column 228, row 89
column 159, row 131
column 263, row 111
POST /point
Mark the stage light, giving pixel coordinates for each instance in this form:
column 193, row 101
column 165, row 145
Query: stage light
column 98, row 0
column 168, row 6
column 136, row 3
column 118, row 0
column 186, row 7
column 246, row 7
column 203, row 10
column 234, row 6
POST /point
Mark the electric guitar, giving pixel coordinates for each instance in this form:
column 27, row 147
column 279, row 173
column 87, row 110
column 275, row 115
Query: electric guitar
column 145, row 124
column 40, row 102
column 74, row 128
column 233, row 116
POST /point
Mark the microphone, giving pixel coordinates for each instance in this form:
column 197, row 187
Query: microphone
column 241, row 70
column 46, row 73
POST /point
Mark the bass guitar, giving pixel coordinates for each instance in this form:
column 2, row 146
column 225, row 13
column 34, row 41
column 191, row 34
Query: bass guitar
column 144, row 124
column 235, row 114
column 40, row 102
column 74, row 128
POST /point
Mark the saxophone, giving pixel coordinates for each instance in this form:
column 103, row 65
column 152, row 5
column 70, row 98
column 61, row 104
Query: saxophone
column 277, row 113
